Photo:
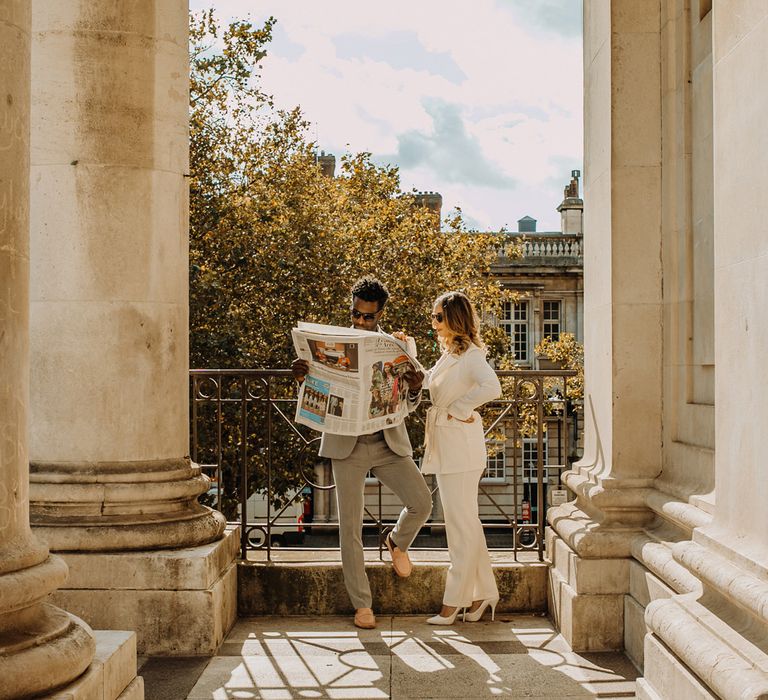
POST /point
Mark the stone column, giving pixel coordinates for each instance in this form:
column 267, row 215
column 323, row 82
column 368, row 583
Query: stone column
column 41, row 646
column 590, row 540
column 111, row 480
column 714, row 638
column 740, row 520
column 109, row 329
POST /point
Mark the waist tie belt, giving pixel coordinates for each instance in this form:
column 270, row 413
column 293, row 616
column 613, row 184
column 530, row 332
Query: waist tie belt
column 432, row 413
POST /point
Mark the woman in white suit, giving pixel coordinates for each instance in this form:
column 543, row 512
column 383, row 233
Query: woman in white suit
column 460, row 382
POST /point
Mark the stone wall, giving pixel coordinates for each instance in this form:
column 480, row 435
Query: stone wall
column 664, row 551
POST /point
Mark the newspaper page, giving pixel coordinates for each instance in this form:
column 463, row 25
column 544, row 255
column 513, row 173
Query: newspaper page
column 355, row 383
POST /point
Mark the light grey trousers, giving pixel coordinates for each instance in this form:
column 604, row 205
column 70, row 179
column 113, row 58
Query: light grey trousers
column 402, row 476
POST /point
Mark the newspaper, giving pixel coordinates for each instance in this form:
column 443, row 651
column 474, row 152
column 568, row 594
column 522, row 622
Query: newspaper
column 355, row 383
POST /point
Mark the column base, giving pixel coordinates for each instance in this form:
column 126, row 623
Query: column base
column 586, row 596
column 47, row 646
column 112, row 673
column 201, row 527
column 711, row 642
column 41, row 646
column 666, row 677
column 644, row 587
column 121, row 506
column 180, row 602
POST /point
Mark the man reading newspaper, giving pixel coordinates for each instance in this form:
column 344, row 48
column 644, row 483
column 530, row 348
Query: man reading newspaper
column 357, row 380
column 387, row 453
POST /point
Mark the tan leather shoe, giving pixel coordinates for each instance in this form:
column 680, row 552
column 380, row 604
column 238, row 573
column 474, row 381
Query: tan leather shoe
column 401, row 562
column 365, row 619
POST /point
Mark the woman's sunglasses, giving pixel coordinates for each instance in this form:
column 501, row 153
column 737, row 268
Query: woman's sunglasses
column 437, row 317
column 367, row 317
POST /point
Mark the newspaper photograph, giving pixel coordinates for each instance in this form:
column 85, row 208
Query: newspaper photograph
column 355, row 384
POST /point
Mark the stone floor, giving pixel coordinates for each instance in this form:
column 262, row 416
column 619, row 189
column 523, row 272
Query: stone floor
column 277, row 658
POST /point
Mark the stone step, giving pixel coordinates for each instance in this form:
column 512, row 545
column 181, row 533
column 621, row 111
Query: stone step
column 112, row 673
column 667, row 677
column 317, row 587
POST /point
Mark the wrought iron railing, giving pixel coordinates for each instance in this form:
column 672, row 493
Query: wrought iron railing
column 262, row 464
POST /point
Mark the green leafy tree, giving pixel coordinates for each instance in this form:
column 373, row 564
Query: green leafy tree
column 273, row 240
column 568, row 353
column 565, row 394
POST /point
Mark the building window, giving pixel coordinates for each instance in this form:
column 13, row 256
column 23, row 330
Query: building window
column 496, row 465
column 514, row 320
column 551, row 320
column 530, row 458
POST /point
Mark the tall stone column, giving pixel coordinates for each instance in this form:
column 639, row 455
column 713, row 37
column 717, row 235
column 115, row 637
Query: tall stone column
column 109, row 438
column 110, row 471
column 41, row 646
column 714, row 638
column 590, row 539
column 740, row 520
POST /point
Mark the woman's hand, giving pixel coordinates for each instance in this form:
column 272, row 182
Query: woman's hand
column 471, row 419
column 401, row 336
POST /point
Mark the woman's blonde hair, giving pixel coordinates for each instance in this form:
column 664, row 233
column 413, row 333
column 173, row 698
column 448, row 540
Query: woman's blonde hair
column 462, row 321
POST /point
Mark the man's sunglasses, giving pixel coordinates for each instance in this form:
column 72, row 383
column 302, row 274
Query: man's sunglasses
column 359, row 314
column 437, row 317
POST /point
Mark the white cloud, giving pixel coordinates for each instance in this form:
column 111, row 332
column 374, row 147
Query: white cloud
column 508, row 70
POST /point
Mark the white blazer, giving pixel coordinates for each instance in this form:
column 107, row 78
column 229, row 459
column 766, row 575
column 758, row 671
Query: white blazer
column 458, row 384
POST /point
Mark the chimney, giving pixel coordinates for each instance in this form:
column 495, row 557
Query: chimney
column 572, row 207
column 432, row 201
column 327, row 164
column 526, row 225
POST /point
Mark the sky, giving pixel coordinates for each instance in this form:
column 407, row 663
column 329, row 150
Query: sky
column 479, row 100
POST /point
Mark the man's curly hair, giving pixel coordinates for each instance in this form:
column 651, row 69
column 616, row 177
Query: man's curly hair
column 369, row 288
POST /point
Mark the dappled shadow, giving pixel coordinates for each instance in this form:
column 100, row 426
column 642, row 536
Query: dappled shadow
column 326, row 657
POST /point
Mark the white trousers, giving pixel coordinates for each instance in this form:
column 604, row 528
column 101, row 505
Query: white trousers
column 470, row 576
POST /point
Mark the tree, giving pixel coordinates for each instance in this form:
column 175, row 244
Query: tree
column 274, row 241
column 569, row 354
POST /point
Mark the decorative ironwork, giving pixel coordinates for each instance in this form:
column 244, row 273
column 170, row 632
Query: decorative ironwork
column 244, row 437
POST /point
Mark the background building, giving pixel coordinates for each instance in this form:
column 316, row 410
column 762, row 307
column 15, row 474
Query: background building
column 550, row 283
column 549, row 278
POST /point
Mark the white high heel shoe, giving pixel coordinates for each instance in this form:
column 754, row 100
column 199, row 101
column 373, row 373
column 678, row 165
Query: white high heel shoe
column 475, row 615
column 440, row 620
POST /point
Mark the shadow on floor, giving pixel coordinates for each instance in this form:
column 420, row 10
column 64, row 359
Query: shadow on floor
column 171, row 678
column 279, row 658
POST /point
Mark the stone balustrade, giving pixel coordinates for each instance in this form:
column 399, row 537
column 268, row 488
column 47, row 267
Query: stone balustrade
column 561, row 247
column 557, row 248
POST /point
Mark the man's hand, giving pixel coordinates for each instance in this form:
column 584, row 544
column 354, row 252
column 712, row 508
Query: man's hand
column 300, row 369
column 414, row 378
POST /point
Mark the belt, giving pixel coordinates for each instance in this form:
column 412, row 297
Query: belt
column 373, row 437
column 432, row 413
